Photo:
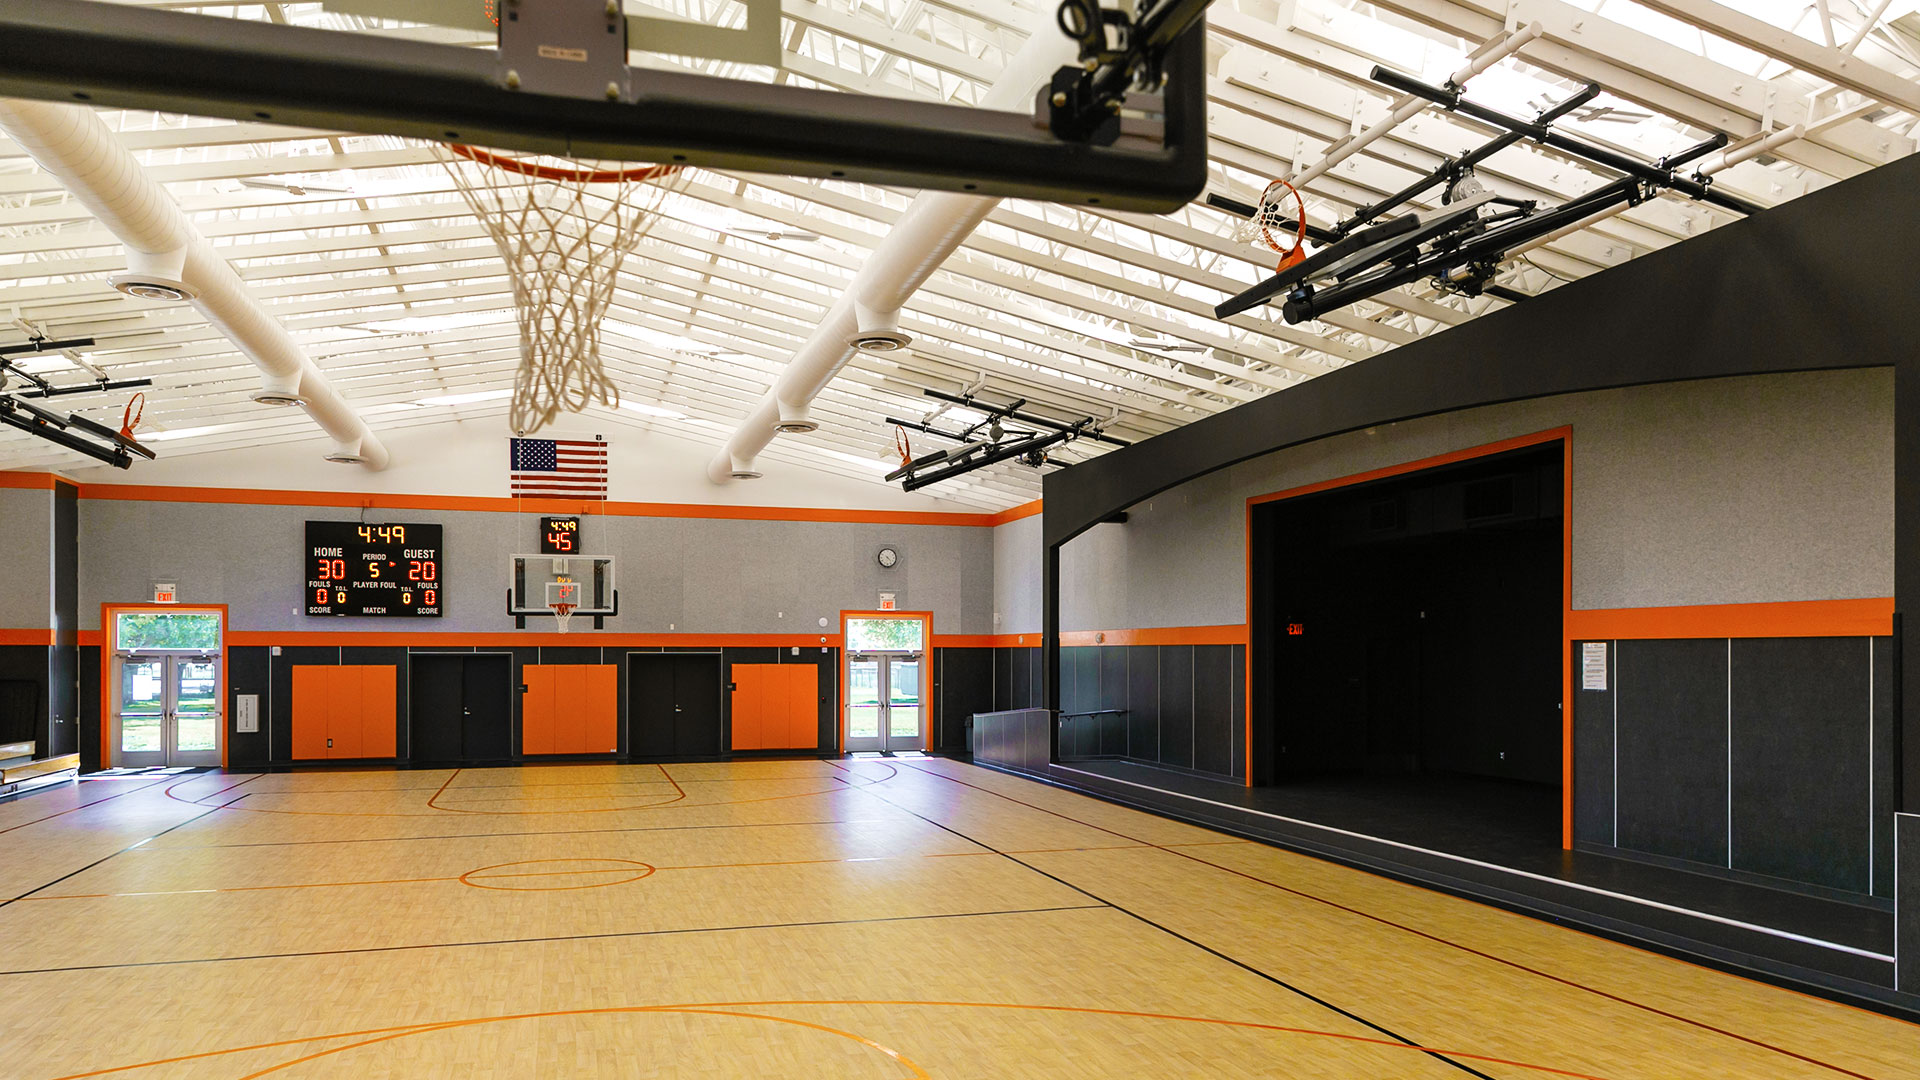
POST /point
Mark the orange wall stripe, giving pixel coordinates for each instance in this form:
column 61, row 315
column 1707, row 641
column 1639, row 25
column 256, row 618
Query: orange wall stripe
column 365, row 500
column 31, row 481
column 1024, row 510
column 427, row 639
column 1516, row 443
column 1230, row 634
column 1795, row 618
column 26, row 637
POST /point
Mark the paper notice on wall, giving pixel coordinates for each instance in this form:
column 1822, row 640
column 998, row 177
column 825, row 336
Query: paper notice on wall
column 1593, row 665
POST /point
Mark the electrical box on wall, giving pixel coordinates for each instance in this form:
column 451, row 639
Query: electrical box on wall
column 246, row 713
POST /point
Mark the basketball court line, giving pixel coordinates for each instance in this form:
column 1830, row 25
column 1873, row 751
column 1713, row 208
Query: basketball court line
column 547, row 832
column 552, row 937
column 1274, row 979
column 1701, row 1024
column 123, row 850
column 730, row 1008
column 560, row 873
column 1575, row 885
column 84, row 805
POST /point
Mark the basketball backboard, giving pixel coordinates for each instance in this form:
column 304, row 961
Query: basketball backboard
column 998, row 100
column 536, row 583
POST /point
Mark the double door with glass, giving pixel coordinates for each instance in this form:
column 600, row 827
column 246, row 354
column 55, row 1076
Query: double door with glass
column 884, row 708
column 169, row 710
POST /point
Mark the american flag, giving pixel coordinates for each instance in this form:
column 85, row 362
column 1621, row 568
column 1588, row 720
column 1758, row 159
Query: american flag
column 559, row 468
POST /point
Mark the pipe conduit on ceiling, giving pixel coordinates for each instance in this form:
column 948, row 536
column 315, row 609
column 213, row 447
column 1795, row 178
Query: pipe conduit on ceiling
column 71, row 143
column 933, row 227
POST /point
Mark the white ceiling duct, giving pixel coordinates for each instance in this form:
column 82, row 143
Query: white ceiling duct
column 867, row 316
column 169, row 259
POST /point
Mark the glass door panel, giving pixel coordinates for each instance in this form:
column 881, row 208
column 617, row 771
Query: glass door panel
column 863, row 703
column 904, row 730
column 168, row 711
column 143, row 710
column 196, row 712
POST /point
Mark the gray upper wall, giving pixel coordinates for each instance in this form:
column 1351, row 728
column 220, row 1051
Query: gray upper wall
column 1016, row 576
column 684, row 575
column 1739, row 490
column 26, row 571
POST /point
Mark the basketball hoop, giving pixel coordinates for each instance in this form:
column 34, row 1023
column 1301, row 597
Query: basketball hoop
column 561, row 613
column 1271, row 214
column 563, row 227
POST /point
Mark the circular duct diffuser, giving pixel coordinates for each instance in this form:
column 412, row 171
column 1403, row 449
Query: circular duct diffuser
column 153, row 287
column 797, row 427
column 340, row 455
column 747, row 473
column 265, row 396
column 879, row 341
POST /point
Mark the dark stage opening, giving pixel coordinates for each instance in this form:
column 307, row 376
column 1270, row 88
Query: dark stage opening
column 1406, row 653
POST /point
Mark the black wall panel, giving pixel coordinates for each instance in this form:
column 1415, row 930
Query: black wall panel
column 63, row 685
column 89, row 704
column 1237, row 725
column 23, row 695
column 1002, row 680
column 1143, row 702
column 966, row 686
column 1673, row 749
column 1886, row 767
column 1020, row 661
column 1801, row 732
column 1113, row 695
column 1176, row 705
column 1212, row 708
column 1593, row 754
column 247, row 674
column 1906, row 919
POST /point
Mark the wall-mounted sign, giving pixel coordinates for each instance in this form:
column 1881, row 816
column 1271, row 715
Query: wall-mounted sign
column 559, row 536
column 1593, row 665
column 887, row 602
column 165, row 592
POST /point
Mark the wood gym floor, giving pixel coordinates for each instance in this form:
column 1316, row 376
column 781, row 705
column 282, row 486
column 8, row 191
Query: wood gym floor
column 866, row 919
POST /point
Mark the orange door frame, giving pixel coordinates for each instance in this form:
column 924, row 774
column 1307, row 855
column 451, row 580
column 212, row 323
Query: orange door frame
column 840, row 677
column 110, row 691
column 1562, row 435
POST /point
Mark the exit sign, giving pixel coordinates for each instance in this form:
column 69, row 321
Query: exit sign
column 1295, row 629
column 165, row 593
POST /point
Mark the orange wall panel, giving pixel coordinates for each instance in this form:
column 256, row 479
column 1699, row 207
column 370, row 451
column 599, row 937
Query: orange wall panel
column 536, row 709
column 343, row 712
column 378, row 739
column 569, row 705
column 312, row 706
column 749, row 695
column 570, row 709
column 602, row 727
column 803, row 706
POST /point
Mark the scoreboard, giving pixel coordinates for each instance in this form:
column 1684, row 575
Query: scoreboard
column 353, row 568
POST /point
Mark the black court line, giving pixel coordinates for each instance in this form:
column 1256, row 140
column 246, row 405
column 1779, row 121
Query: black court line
column 84, row 805
column 1382, row 920
column 551, row 938
column 130, row 847
column 1243, row 965
column 543, row 832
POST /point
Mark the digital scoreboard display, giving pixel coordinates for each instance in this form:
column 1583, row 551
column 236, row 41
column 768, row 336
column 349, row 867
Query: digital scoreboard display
column 559, row 536
column 353, row 568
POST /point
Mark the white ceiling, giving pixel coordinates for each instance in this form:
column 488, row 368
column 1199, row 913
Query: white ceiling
column 388, row 281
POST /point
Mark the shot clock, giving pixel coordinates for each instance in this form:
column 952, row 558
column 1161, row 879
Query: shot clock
column 353, row 568
column 559, row 536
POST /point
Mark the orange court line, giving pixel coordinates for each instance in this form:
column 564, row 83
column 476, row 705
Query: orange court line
column 1870, row 617
column 730, row 1008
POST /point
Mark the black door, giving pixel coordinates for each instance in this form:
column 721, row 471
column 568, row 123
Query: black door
column 673, row 704
column 486, row 731
column 458, row 708
column 696, row 705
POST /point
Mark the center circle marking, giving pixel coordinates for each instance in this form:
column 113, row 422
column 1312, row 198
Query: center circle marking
column 522, row 877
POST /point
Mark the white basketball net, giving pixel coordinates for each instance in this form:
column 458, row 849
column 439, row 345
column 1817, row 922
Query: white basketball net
column 564, row 227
